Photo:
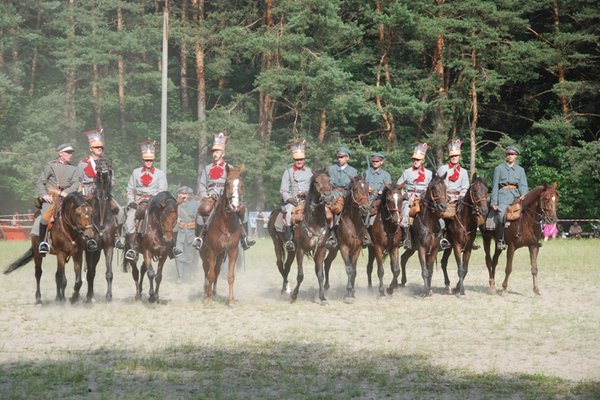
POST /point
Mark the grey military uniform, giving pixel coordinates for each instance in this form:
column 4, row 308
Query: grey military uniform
column 209, row 187
column 341, row 177
column 377, row 179
column 143, row 184
column 293, row 182
column 185, row 228
column 508, row 184
column 414, row 187
column 56, row 176
column 457, row 181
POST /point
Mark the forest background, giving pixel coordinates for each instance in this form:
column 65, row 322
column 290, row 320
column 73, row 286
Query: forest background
column 371, row 75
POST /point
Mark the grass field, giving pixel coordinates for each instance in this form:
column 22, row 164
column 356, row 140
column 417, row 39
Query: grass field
column 478, row 346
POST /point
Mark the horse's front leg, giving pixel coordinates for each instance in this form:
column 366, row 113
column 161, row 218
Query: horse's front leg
column 60, row 277
column 233, row 255
column 370, row 260
column 108, row 256
column 381, row 270
column 300, row 273
column 77, row 262
column 444, row 263
column 91, row 261
column 425, row 273
column 395, row 266
column 463, row 269
column 491, row 267
column 210, row 277
column 510, row 254
column 403, row 261
column 158, row 276
column 320, row 272
column 331, row 255
column 533, row 253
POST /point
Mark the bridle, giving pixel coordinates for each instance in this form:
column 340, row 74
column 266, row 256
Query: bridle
column 361, row 199
column 395, row 210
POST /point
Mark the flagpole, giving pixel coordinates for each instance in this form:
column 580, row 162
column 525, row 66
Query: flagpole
column 163, row 113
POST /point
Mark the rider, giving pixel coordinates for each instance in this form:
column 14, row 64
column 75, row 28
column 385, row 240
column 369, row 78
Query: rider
column 295, row 183
column 415, row 180
column 144, row 182
column 59, row 178
column 87, row 174
column 510, row 183
column 212, row 184
column 340, row 177
column 376, row 178
column 457, row 182
column 186, row 217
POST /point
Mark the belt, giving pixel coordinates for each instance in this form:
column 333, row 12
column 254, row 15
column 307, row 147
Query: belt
column 455, row 192
column 188, row 225
column 509, row 187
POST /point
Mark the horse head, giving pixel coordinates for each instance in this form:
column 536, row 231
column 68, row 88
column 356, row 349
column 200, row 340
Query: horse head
column 478, row 198
column 77, row 214
column 163, row 206
column 435, row 197
column 549, row 203
column 392, row 197
column 103, row 177
column 359, row 194
column 234, row 188
column 320, row 189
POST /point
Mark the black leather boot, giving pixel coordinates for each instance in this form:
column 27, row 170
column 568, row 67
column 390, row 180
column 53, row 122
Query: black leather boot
column 500, row 244
column 175, row 251
column 44, row 247
column 288, row 231
column 406, row 235
column 132, row 253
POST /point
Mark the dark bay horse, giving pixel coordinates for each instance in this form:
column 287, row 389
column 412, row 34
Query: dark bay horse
column 539, row 205
column 155, row 239
column 425, row 230
column 105, row 227
column 386, row 238
column 69, row 234
column 223, row 236
column 350, row 233
column 284, row 258
column 470, row 213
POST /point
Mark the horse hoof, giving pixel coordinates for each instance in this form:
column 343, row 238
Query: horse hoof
column 537, row 292
column 390, row 291
column 349, row 300
column 108, row 298
column 138, row 297
column 446, row 291
column 324, row 303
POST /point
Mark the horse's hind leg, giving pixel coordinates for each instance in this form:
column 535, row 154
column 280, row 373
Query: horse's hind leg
column 444, row 264
column 509, row 260
column 370, row 260
column 77, row 261
column 403, row 260
column 328, row 261
column 395, row 266
column 299, row 275
column 60, row 278
column 38, row 276
column 91, row 261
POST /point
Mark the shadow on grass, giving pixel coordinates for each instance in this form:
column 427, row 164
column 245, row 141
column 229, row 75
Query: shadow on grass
column 268, row 370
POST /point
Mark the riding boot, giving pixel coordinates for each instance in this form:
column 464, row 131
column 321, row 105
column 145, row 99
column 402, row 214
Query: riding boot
column 500, row 244
column 444, row 243
column 132, row 253
column 174, row 250
column 406, row 234
column 120, row 240
column 288, row 231
column 246, row 243
column 331, row 242
column 199, row 239
column 44, row 247
column 367, row 240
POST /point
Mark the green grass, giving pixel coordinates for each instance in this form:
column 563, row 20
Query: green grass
column 479, row 346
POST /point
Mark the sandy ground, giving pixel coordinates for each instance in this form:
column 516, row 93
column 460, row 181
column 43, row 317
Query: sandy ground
column 557, row 334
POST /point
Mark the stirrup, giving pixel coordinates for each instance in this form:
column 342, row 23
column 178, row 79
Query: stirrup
column 331, row 242
column 91, row 245
column 44, row 248
column 131, row 255
column 197, row 242
column 500, row 244
column 366, row 241
column 445, row 244
column 407, row 244
column 177, row 251
column 246, row 244
column 290, row 246
column 475, row 246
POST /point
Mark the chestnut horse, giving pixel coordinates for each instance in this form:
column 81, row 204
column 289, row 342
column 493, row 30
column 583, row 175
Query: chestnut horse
column 155, row 240
column 539, row 205
column 425, row 230
column 470, row 213
column 223, row 236
column 105, row 227
column 386, row 237
column 69, row 235
column 350, row 233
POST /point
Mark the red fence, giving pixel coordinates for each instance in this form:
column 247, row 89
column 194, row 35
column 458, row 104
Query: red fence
column 16, row 226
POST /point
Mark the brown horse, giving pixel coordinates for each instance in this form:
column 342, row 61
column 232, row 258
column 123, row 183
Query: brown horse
column 223, row 236
column 386, row 238
column 155, row 241
column 425, row 230
column 350, row 233
column 470, row 213
column 69, row 235
column 105, row 227
column 283, row 266
column 539, row 205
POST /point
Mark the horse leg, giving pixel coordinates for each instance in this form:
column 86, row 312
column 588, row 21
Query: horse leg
column 37, row 258
column 91, row 261
column 320, row 272
column 286, row 271
column 77, row 264
column 108, row 256
column 328, row 261
column 425, row 274
column 279, row 255
column 143, row 269
column 487, row 241
column 151, row 275
column 533, row 252
column 60, row 277
column 158, row 277
column 233, row 255
column 300, row 273
column 370, row 260
column 510, row 254
column 381, row 270
column 395, row 266
column 463, row 269
column 135, row 273
column 403, row 260
column 444, row 263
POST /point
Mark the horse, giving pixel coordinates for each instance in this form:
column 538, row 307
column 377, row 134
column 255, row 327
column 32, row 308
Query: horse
column 105, row 227
column 425, row 230
column 470, row 213
column 223, row 236
column 70, row 233
column 283, row 266
column 540, row 204
column 386, row 238
column 350, row 233
column 154, row 241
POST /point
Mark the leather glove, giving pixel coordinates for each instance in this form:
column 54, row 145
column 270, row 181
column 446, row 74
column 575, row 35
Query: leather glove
column 133, row 205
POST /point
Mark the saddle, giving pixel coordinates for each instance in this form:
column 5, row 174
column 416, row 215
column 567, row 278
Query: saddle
column 513, row 212
column 414, row 207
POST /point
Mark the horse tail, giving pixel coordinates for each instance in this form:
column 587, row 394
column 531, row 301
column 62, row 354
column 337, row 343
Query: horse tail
column 24, row 259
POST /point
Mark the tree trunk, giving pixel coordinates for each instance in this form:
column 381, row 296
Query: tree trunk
column 71, row 85
column 185, row 98
column 198, row 16
column 96, row 96
column 564, row 101
column 474, row 117
column 439, row 119
column 34, row 56
column 388, row 118
column 121, row 73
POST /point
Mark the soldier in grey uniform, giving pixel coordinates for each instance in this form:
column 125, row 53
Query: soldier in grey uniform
column 185, row 228
column 58, row 179
column 510, row 183
column 295, row 183
column 87, row 174
column 415, row 179
column 211, row 186
column 457, row 182
column 144, row 182
column 376, row 178
column 340, row 176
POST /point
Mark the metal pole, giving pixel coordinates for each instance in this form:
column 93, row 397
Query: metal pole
column 163, row 113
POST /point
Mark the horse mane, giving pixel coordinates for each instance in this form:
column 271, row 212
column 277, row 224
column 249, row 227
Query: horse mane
column 73, row 197
column 158, row 199
column 434, row 181
column 312, row 197
column 532, row 196
column 103, row 182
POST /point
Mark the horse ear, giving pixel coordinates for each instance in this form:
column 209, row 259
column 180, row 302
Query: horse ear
column 242, row 169
column 444, row 176
column 553, row 186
